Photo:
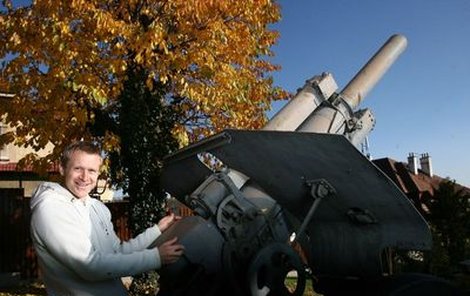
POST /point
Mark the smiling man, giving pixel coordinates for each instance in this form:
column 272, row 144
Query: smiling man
column 79, row 252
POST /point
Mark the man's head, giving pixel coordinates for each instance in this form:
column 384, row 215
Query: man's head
column 80, row 165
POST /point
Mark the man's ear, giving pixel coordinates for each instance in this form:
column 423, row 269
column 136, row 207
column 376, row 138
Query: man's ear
column 61, row 170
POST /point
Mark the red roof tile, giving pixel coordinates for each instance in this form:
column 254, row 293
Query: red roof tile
column 12, row 167
column 8, row 167
column 409, row 182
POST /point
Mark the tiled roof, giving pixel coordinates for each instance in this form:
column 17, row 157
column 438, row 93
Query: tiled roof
column 390, row 168
column 8, row 167
column 407, row 181
column 12, row 167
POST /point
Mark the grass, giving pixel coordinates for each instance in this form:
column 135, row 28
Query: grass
column 290, row 283
column 24, row 289
column 38, row 289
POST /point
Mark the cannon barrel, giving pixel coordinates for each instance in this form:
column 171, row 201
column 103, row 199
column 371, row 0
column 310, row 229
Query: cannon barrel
column 308, row 98
column 358, row 88
column 310, row 111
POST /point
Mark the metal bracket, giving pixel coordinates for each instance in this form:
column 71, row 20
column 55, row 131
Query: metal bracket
column 319, row 189
column 234, row 207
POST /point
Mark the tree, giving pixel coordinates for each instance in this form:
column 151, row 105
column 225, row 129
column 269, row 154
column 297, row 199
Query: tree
column 143, row 124
column 64, row 60
column 139, row 76
column 449, row 218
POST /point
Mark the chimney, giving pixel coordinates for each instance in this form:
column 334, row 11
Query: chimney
column 413, row 163
column 426, row 165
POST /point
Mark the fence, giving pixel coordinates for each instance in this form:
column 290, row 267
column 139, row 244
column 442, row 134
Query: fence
column 16, row 251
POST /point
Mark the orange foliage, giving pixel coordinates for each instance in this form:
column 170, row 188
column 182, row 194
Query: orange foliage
column 62, row 59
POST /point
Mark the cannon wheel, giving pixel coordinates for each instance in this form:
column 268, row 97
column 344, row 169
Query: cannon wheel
column 269, row 268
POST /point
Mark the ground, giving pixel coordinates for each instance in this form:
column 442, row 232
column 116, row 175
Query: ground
column 36, row 288
column 24, row 289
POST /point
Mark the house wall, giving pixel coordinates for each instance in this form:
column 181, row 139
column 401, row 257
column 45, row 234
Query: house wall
column 27, row 186
column 12, row 153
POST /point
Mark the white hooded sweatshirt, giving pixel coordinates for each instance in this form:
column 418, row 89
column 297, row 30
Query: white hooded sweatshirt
column 79, row 252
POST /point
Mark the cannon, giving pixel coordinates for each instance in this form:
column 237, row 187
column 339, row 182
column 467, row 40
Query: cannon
column 296, row 198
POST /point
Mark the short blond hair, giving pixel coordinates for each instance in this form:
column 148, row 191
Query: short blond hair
column 85, row 146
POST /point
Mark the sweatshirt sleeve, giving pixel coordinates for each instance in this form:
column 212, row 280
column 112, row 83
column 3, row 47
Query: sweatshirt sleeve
column 57, row 227
column 140, row 242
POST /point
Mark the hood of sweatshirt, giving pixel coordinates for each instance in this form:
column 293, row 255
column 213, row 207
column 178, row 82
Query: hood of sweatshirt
column 53, row 190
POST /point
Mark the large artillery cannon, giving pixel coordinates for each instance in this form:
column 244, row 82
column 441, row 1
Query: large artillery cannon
column 296, row 197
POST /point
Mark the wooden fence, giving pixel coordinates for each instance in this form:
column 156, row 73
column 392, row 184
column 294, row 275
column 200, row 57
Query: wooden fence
column 16, row 251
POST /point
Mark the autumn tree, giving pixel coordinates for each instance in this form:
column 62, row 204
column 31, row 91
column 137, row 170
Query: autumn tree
column 141, row 77
column 64, row 60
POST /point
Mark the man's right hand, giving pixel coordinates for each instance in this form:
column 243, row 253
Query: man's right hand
column 170, row 251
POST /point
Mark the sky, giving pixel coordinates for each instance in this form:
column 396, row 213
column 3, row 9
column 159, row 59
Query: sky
column 422, row 104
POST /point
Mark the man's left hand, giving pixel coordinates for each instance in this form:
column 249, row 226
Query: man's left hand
column 167, row 221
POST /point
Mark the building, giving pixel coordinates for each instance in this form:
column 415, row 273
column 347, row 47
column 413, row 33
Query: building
column 11, row 176
column 415, row 177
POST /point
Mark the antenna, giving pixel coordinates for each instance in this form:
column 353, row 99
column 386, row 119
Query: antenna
column 365, row 148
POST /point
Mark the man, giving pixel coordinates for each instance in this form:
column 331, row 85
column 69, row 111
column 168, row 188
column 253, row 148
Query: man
column 79, row 252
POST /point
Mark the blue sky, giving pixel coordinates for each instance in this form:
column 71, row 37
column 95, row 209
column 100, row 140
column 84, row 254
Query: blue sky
column 422, row 103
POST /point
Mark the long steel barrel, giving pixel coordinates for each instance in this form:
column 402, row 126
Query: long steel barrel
column 316, row 90
column 358, row 88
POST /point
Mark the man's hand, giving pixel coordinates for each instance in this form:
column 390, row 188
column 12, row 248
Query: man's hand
column 167, row 221
column 170, row 251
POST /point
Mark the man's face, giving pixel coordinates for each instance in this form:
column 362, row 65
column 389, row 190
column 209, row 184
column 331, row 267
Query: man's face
column 81, row 173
